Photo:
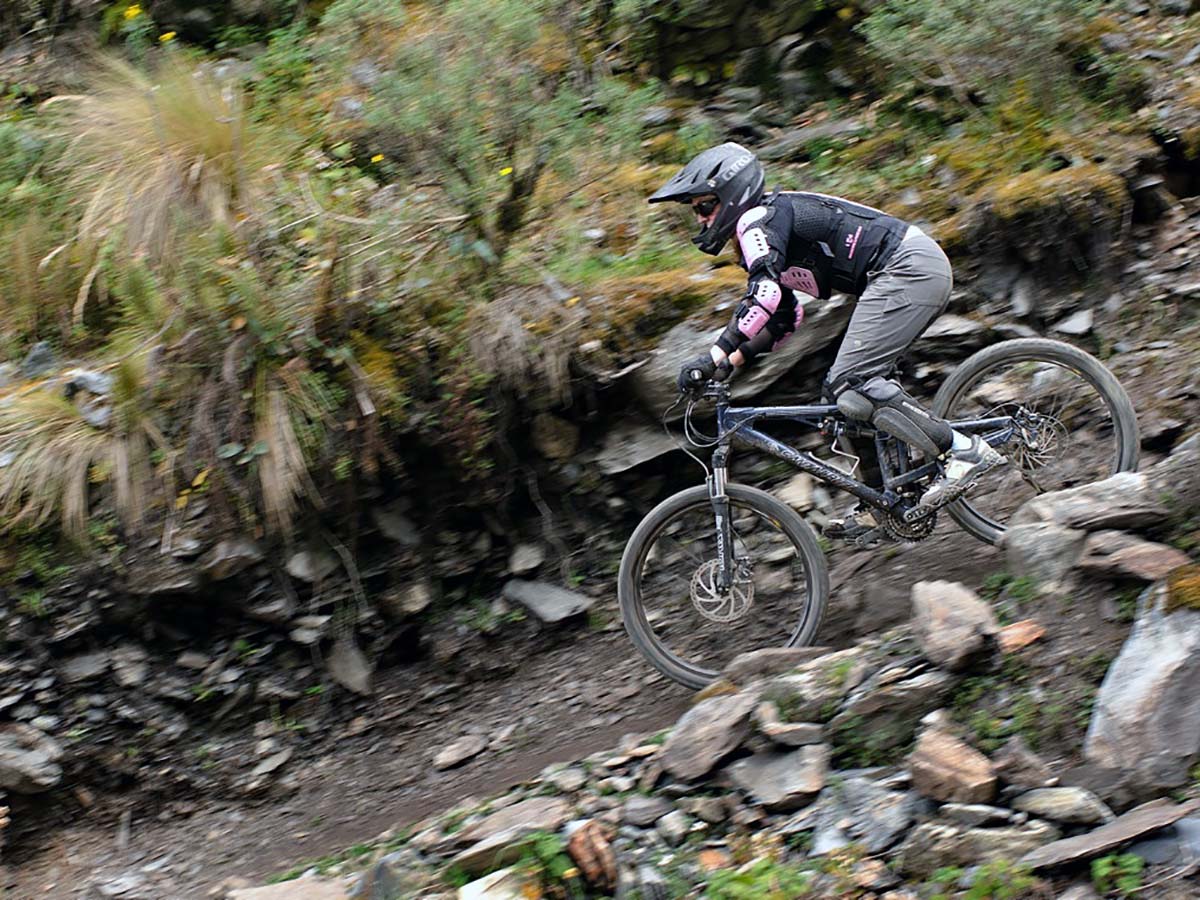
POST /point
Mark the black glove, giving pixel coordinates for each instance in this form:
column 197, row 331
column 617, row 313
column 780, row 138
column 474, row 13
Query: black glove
column 696, row 374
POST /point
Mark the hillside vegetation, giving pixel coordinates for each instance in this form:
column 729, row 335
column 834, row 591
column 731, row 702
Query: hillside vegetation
column 306, row 246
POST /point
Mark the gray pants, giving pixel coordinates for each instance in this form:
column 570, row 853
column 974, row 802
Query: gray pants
column 899, row 303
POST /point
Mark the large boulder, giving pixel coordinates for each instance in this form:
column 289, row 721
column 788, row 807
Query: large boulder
column 1146, row 719
column 654, row 383
column 1124, row 500
column 947, row 769
column 28, row 760
column 953, row 626
column 814, row 691
column 1042, row 551
column 706, row 734
column 783, row 780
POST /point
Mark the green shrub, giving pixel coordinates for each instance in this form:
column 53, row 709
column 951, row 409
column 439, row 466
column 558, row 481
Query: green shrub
column 1118, row 873
column 947, row 42
column 488, row 97
column 764, row 879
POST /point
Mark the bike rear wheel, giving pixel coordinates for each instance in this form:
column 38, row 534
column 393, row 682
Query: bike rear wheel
column 670, row 610
column 1077, row 425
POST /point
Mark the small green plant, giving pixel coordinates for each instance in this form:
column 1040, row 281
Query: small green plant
column 1127, row 602
column 1022, row 589
column 546, row 858
column 324, row 863
column 837, row 674
column 945, row 877
column 1000, row 880
column 763, row 879
column 993, row 584
column 1118, row 873
column 33, row 604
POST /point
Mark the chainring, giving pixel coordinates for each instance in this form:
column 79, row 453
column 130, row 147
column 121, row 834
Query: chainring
column 910, row 532
column 711, row 603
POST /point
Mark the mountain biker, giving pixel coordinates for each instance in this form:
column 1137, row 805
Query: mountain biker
column 816, row 244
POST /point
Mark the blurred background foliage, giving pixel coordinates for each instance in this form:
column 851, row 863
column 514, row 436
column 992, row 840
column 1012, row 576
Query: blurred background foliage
column 316, row 244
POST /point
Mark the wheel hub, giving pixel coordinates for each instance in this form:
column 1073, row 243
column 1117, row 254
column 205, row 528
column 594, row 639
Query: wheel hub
column 722, row 607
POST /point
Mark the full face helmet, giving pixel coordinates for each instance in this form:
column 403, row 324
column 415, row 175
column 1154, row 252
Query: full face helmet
column 733, row 175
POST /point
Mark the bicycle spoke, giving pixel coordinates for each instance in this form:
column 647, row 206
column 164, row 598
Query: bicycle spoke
column 1065, row 432
column 688, row 615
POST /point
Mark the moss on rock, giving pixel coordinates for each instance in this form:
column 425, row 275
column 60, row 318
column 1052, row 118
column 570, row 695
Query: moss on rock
column 1183, row 588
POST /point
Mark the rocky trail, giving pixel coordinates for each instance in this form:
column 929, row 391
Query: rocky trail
column 372, row 767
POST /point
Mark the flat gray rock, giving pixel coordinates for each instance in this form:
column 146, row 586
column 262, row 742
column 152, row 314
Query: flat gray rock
column 460, row 751
column 1132, row 825
column 1071, row 805
column 349, row 667
column 644, row 811
column 537, row 813
column 230, row 557
column 706, row 734
column 546, row 601
column 783, row 781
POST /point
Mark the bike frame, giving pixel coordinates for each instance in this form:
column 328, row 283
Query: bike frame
column 736, row 423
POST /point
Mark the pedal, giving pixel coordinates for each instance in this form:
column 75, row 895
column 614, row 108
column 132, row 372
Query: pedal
column 870, row 540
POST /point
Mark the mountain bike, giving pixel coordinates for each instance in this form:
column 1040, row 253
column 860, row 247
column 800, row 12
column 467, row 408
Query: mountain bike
column 721, row 568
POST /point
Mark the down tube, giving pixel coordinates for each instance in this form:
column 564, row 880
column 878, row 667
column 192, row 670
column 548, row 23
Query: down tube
column 810, row 464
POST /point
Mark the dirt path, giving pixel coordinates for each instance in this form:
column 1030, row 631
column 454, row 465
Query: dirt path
column 579, row 694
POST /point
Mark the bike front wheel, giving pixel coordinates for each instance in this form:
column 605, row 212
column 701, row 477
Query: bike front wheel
column 1074, row 424
column 671, row 608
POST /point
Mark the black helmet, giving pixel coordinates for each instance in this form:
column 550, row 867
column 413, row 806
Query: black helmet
column 730, row 172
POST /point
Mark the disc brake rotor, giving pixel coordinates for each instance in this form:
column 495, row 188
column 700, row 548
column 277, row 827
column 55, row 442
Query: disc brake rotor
column 1043, row 440
column 710, row 602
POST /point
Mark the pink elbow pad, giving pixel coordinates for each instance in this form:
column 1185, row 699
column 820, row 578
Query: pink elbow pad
column 767, row 294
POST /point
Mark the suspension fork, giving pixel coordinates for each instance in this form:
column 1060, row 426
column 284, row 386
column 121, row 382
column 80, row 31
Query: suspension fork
column 720, row 506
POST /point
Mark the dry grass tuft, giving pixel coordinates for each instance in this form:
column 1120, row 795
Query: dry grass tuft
column 149, row 155
column 50, row 457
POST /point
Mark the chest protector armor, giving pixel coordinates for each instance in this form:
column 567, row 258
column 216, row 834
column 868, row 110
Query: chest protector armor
column 831, row 244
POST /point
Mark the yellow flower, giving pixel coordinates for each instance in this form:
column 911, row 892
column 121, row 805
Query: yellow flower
column 507, row 170
column 377, row 158
column 168, row 36
column 132, row 11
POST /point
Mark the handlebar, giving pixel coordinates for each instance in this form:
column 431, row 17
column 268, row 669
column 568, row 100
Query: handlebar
column 717, row 386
